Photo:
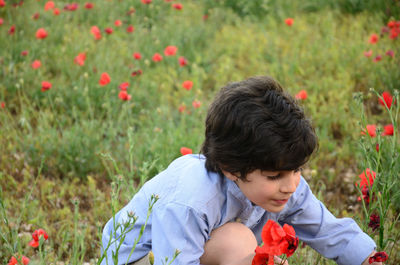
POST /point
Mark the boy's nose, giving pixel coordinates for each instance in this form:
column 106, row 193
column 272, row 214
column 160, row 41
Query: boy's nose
column 289, row 183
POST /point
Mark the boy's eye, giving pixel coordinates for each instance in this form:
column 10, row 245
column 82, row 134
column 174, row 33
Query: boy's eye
column 274, row 177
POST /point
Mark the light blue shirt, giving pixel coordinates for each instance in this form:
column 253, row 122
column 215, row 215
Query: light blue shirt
column 193, row 202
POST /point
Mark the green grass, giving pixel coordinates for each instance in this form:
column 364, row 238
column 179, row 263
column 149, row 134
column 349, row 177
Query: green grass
column 63, row 151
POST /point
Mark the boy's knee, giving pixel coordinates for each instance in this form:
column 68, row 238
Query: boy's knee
column 229, row 243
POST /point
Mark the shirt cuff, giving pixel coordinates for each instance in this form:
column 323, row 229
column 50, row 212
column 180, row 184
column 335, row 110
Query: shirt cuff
column 358, row 249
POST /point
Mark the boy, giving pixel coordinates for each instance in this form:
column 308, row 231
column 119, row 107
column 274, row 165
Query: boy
column 212, row 207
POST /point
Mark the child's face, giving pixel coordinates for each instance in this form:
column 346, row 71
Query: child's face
column 268, row 189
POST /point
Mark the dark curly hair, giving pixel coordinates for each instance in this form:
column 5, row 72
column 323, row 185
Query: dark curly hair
column 254, row 124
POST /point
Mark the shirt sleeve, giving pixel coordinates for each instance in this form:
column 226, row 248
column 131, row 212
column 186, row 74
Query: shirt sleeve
column 339, row 239
column 176, row 227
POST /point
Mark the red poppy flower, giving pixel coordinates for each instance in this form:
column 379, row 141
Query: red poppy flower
column 377, row 58
column 71, row 7
column 104, row 79
column 371, row 130
column 56, row 11
column 2, row 105
column 36, row 64
column 157, row 57
column 182, row 108
column 124, row 86
column 182, row 61
column 262, row 258
column 1, row 21
column 37, row 234
column 96, row 32
column 89, row 5
column 196, row 104
column 137, row 72
column 187, row 85
column 186, row 151
column 387, row 99
column 377, row 147
column 289, row 21
column 373, row 39
column 364, row 182
column 109, row 30
column 24, row 53
column 374, row 222
column 302, row 95
column 368, row 53
column 49, row 5
column 11, row 31
column 137, row 55
column 378, row 257
column 46, row 86
column 80, row 59
column 391, row 24
column 388, row 130
column 365, row 195
column 123, row 95
column 36, row 16
column 118, row 23
column 146, row 2
column 390, row 53
column 273, row 237
column 170, row 50
column 2, row 3
column 177, row 6
column 130, row 29
column 292, row 240
column 41, row 33
column 14, row 261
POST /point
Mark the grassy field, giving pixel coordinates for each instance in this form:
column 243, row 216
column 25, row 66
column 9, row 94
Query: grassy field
column 75, row 146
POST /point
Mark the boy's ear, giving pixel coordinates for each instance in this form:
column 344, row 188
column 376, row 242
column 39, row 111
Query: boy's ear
column 229, row 175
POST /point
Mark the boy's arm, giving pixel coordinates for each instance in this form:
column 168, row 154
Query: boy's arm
column 340, row 239
column 176, row 227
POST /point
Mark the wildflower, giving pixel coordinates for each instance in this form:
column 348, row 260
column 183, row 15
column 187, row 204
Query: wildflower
column 41, row 33
column 46, row 86
column 364, row 182
column 368, row 53
column 146, row 2
column 374, row 222
column 196, row 104
column 261, row 257
column 377, row 58
column 157, row 57
column 187, row 85
column 387, row 99
column 2, row 3
column 104, row 79
column 137, row 72
column 289, row 21
column 377, row 147
column 391, row 24
column 109, row 30
column 371, row 130
column 182, row 61
column 365, row 195
column 123, row 95
column 1, row 21
column 2, row 105
column 14, row 261
column 130, row 29
column 388, row 130
column 80, row 59
column 378, row 257
column 390, row 53
column 56, row 11
column 71, row 7
column 36, row 64
column 36, row 16
column 177, row 6
column 170, row 50
column 373, row 39
column 118, row 23
column 96, row 32
column 137, row 55
column 186, row 151
column 89, row 5
column 301, row 95
column 49, row 5
column 36, row 236
column 24, row 53
column 182, row 108
column 11, row 31
column 123, row 86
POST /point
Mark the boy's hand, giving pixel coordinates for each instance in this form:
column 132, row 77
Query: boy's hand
column 278, row 261
column 366, row 262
